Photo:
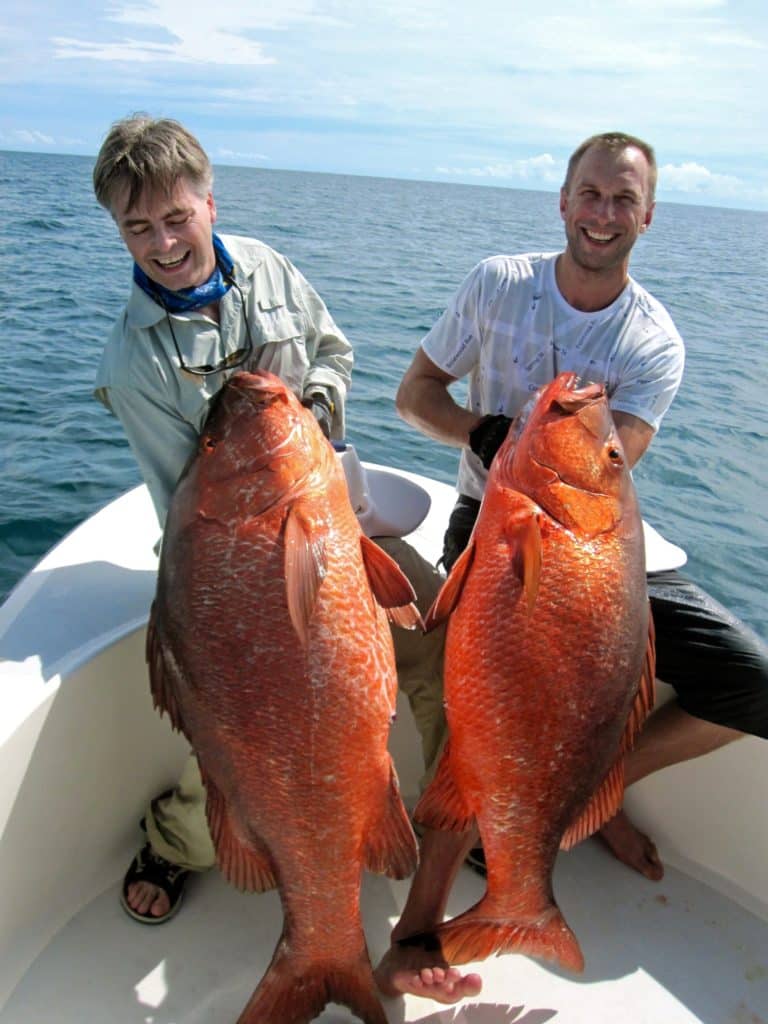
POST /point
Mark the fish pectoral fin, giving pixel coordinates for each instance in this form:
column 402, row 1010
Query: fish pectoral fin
column 451, row 590
column 442, row 804
column 391, row 847
column 390, row 586
column 247, row 868
column 524, row 535
column 305, row 569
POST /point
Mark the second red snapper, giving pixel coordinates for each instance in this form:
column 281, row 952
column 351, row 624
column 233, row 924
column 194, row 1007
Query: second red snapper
column 548, row 667
column 269, row 647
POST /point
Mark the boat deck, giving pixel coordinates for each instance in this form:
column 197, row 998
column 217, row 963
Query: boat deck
column 674, row 952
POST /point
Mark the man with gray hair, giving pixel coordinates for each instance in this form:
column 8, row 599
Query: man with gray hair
column 201, row 306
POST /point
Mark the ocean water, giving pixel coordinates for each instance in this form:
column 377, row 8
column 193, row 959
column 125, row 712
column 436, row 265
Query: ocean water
column 386, row 256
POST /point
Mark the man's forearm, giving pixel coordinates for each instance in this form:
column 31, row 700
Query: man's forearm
column 428, row 405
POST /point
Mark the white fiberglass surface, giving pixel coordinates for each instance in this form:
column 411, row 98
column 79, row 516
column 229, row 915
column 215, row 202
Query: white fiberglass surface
column 674, row 952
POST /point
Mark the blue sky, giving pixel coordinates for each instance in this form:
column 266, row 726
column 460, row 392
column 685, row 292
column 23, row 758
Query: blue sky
column 481, row 91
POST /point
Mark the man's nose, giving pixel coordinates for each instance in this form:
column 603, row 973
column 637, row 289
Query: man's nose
column 605, row 208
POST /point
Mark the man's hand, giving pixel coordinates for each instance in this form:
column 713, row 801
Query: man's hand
column 488, row 436
column 321, row 407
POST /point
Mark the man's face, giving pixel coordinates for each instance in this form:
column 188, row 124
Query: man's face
column 170, row 236
column 606, row 206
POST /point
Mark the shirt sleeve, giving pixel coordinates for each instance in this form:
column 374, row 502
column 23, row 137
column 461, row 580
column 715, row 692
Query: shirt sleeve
column 161, row 441
column 453, row 344
column 651, row 373
column 329, row 351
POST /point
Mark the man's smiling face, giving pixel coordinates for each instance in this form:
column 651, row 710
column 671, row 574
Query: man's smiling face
column 170, row 236
column 606, row 206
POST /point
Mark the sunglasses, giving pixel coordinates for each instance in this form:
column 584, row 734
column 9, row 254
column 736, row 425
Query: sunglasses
column 230, row 362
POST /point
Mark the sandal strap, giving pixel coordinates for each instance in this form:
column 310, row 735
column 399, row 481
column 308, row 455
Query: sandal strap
column 148, row 866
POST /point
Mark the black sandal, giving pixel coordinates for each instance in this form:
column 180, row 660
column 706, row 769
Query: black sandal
column 148, row 866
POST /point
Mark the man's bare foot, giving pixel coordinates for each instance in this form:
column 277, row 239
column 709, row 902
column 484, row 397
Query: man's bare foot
column 632, row 847
column 406, row 972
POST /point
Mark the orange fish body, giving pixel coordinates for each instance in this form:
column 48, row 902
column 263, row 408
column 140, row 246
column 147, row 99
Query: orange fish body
column 269, row 647
column 548, row 670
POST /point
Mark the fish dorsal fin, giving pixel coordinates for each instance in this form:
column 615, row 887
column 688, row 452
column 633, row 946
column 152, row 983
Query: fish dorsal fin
column 450, row 592
column 390, row 586
column 607, row 800
column 524, row 535
column 305, row 569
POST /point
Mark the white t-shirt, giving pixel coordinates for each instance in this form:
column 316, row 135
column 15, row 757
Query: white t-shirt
column 510, row 331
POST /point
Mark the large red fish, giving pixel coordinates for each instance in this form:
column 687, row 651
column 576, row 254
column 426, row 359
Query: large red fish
column 269, row 647
column 548, row 670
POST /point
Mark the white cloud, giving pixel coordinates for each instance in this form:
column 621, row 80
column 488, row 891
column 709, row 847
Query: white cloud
column 542, row 169
column 231, row 154
column 26, row 137
column 693, row 177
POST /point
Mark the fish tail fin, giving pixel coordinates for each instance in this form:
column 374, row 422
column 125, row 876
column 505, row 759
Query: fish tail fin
column 392, row 848
column 243, row 866
column 442, row 804
column 475, row 935
column 293, row 990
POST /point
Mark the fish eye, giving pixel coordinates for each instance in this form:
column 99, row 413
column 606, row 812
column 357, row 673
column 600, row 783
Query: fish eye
column 209, row 443
column 614, row 454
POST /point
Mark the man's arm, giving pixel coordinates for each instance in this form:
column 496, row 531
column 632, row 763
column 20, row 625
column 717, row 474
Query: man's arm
column 635, row 435
column 423, row 400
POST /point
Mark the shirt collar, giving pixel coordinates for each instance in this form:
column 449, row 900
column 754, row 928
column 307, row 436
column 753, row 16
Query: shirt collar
column 143, row 312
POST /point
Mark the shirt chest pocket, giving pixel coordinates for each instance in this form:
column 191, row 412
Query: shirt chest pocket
column 280, row 340
column 276, row 322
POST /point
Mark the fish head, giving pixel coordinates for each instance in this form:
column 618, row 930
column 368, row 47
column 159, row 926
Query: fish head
column 259, row 444
column 564, row 452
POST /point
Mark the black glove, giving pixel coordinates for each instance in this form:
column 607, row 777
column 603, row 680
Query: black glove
column 488, row 436
column 321, row 407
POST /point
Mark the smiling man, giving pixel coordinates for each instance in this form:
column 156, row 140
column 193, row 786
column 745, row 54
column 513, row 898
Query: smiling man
column 514, row 324
column 201, row 305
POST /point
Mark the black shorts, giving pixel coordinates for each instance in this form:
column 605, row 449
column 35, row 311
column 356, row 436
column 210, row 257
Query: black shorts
column 716, row 664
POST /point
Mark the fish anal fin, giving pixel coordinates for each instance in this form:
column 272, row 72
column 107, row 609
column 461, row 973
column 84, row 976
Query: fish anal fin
column 646, row 692
column 390, row 586
column 305, row 568
column 603, row 805
column 607, row 800
column 161, row 680
column 450, row 592
column 391, row 847
column 475, row 935
column 524, row 535
column 442, row 805
column 243, row 866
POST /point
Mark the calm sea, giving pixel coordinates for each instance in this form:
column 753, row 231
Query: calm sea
column 386, row 256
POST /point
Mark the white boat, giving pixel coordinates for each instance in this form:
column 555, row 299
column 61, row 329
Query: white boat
column 82, row 751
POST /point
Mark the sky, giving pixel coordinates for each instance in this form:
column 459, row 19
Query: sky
column 481, row 92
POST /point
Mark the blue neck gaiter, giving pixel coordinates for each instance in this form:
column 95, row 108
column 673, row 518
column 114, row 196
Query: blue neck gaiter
column 187, row 299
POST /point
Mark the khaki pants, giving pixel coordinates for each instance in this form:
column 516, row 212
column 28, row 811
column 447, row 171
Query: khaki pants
column 176, row 823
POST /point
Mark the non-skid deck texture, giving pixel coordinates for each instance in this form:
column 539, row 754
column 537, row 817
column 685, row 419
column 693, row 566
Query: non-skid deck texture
column 674, row 952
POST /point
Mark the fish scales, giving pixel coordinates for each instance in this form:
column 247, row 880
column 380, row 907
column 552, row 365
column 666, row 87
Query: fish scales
column 269, row 646
column 548, row 668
